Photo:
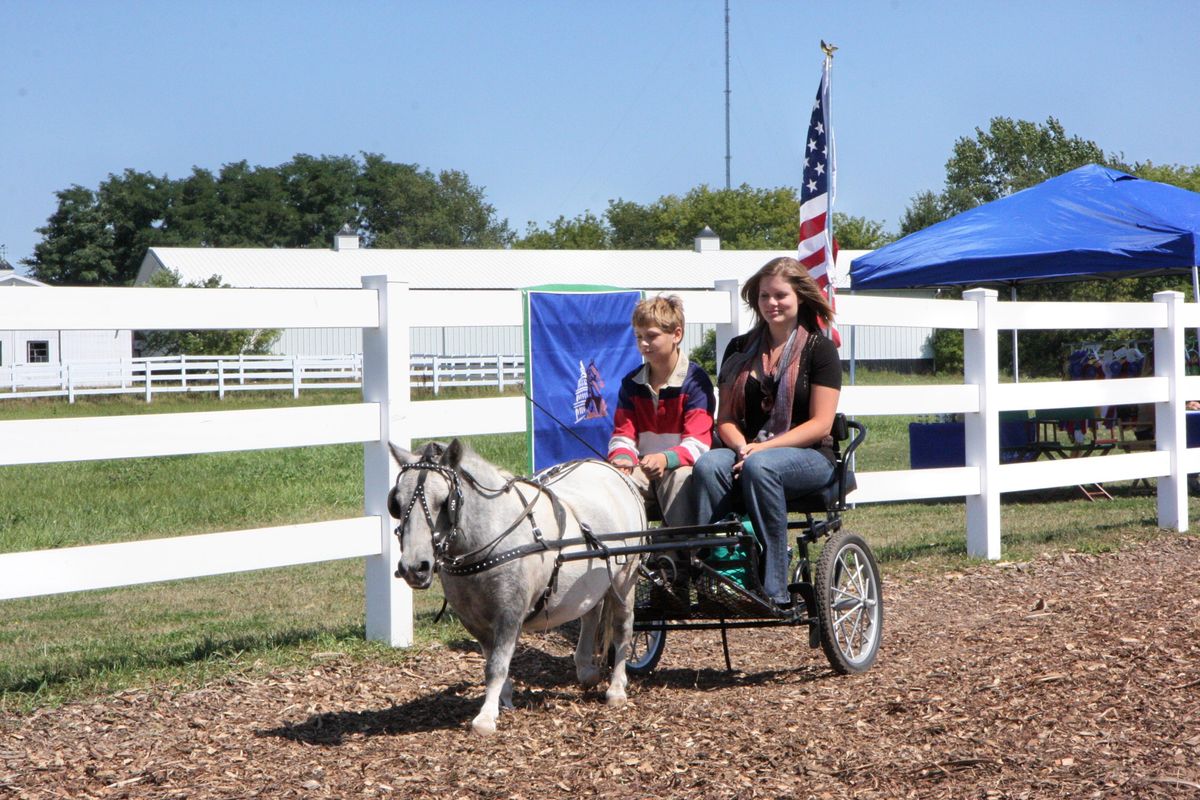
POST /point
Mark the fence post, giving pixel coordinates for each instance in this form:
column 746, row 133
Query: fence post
column 981, row 368
column 70, row 382
column 386, row 382
column 183, row 371
column 1170, row 418
column 220, row 379
column 435, row 375
column 297, row 368
column 500, row 373
column 149, row 372
column 739, row 316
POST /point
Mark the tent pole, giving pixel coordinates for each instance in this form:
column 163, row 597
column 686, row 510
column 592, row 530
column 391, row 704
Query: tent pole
column 1195, row 299
column 1016, row 370
column 852, row 353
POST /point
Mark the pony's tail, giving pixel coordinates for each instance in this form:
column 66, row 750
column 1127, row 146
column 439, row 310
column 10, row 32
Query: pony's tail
column 604, row 641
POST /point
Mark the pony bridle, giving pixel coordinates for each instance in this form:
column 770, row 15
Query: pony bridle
column 443, row 541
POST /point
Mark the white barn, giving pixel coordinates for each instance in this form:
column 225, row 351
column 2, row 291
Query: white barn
column 344, row 265
column 52, row 348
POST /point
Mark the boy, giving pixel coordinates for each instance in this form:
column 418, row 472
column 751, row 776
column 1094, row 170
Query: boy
column 664, row 416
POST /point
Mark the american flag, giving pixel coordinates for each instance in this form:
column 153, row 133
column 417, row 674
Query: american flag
column 817, row 250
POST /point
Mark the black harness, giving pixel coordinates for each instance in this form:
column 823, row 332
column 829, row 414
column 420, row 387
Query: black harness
column 484, row 558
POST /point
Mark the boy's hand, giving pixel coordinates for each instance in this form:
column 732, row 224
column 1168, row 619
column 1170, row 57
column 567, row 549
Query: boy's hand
column 623, row 464
column 654, row 465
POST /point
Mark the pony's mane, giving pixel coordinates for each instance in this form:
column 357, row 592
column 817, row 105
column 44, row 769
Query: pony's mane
column 479, row 467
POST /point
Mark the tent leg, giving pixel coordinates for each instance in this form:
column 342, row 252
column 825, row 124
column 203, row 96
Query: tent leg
column 1195, row 299
column 1016, row 362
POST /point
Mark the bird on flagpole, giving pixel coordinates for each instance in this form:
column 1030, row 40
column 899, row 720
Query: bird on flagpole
column 828, row 48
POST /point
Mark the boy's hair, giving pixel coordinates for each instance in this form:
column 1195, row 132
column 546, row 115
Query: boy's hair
column 664, row 312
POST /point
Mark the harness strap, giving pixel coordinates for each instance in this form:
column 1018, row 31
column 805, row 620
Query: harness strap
column 451, row 565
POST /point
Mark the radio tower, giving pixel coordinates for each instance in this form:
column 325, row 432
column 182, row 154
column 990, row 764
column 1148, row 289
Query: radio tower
column 727, row 95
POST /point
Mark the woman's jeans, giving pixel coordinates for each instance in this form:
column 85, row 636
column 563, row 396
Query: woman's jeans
column 768, row 479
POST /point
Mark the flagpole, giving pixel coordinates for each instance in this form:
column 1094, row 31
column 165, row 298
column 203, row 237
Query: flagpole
column 830, row 256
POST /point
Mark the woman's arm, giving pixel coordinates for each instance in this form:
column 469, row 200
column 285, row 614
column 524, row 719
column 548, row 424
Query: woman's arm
column 822, row 407
column 732, row 436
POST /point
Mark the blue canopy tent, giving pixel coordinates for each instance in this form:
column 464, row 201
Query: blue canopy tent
column 1092, row 222
column 1087, row 223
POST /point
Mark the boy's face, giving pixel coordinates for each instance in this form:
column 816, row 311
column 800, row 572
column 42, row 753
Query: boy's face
column 657, row 345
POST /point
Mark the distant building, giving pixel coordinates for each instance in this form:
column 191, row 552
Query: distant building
column 55, row 347
column 344, row 265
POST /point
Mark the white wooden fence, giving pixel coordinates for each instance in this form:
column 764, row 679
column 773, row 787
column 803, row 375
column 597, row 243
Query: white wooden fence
column 244, row 373
column 384, row 312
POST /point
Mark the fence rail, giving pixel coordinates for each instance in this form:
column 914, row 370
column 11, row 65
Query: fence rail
column 385, row 311
column 245, row 373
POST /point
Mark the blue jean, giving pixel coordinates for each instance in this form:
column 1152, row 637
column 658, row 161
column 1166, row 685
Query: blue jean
column 768, row 479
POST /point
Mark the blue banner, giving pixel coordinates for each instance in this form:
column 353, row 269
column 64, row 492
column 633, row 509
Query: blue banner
column 579, row 344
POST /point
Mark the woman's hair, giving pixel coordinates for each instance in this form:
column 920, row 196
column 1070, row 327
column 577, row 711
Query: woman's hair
column 664, row 312
column 813, row 303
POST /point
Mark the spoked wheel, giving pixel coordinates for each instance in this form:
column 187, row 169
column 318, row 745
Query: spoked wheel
column 645, row 649
column 849, row 603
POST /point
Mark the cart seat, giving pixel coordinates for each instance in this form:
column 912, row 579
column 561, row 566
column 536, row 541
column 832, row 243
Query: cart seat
column 832, row 497
column 828, row 498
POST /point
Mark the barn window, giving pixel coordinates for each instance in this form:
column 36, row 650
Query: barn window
column 37, row 352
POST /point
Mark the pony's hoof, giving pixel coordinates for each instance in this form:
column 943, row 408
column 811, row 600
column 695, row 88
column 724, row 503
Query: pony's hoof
column 482, row 726
column 615, row 700
column 589, row 678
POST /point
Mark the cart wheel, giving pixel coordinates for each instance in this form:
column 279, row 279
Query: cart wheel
column 645, row 649
column 849, row 603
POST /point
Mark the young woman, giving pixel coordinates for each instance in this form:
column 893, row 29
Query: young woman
column 779, row 386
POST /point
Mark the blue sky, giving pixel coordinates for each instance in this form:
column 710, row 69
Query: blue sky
column 556, row 107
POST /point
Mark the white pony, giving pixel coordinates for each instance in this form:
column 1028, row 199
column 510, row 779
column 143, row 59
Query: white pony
column 494, row 540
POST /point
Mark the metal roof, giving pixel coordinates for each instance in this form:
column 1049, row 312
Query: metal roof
column 11, row 278
column 465, row 269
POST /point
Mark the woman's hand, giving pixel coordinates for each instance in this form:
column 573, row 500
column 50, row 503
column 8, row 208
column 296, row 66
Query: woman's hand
column 745, row 451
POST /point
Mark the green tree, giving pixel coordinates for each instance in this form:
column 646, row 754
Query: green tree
column 925, row 209
column 76, row 245
column 404, row 206
column 745, row 218
column 1176, row 175
column 858, row 233
column 203, row 342
column 584, row 232
column 1009, row 156
column 100, row 237
column 705, row 353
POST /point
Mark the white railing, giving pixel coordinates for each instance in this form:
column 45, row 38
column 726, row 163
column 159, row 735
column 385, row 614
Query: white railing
column 244, row 373
column 445, row 372
column 385, row 310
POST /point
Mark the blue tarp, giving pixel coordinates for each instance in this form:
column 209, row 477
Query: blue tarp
column 1090, row 222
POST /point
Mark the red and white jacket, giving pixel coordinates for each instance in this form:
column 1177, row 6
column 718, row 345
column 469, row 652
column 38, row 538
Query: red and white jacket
column 677, row 421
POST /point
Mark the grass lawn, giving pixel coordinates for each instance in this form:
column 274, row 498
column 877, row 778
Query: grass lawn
column 71, row 646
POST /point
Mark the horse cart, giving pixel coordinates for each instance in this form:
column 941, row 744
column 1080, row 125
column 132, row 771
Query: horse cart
column 573, row 542
column 709, row 577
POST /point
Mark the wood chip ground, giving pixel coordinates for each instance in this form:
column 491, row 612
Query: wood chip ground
column 1072, row 676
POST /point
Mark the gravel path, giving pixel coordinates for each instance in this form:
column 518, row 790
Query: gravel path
column 1077, row 676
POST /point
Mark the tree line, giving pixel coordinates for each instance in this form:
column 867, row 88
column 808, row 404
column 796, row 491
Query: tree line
column 99, row 236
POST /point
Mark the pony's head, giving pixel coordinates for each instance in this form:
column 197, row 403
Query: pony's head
column 426, row 502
